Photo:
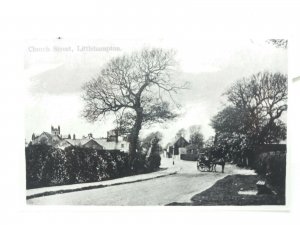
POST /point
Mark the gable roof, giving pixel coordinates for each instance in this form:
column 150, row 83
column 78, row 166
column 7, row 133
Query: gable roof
column 107, row 145
column 63, row 144
column 181, row 139
column 81, row 142
column 50, row 136
column 73, row 142
column 45, row 133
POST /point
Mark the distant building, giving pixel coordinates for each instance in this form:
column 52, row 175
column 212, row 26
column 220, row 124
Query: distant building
column 194, row 149
column 112, row 135
column 55, row 131
column 121, row 144
column 46, row 138
column 112, row 142
column 85, row 143
column 52, row 138
column 176, row 147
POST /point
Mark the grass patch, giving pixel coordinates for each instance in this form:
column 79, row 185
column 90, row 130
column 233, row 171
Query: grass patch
column 225, row 192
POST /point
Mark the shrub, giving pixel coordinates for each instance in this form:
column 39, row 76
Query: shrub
column 272, row 166
column 189, row 157
column 138, row 164
column 49, row 166
column 153, row 162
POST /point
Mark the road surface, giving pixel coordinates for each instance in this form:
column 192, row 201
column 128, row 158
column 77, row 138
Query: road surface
column 159, row 191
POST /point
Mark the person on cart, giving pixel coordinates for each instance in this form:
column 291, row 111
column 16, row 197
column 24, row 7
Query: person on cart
column 204, row 158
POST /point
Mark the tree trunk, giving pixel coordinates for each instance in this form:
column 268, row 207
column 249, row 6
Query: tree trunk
column 134, row 135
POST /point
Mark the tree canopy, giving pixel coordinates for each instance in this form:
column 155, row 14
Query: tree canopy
column 254, row 112
column 136, row 88
column 180, row 133
column 146, row 142
column 196, row 136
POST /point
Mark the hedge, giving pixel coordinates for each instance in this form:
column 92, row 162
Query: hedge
column 272, row 166
column 49, row 166
column 189, row 157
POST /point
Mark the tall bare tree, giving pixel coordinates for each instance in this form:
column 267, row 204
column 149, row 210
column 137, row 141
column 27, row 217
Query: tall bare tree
column 256, row 106
column 253, row 115
column 137, row 88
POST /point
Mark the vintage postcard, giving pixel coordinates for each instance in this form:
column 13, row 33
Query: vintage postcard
column 167, row 122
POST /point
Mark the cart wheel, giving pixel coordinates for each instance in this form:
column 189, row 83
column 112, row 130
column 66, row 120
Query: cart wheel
column 202, row 167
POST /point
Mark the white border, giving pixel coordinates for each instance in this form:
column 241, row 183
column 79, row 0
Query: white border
column 136, row 20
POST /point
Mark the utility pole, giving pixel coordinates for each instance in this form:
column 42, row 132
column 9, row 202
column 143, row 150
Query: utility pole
column 173, row 156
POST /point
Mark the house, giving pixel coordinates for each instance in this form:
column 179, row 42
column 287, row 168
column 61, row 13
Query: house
column 113, row 141
column 46, row 138
column 94, row 143
column 194, row 149
column 112, row 145
column 85, row 143
column 190, row 152
column 52, row 138
column 63, row 144
column 177, row 146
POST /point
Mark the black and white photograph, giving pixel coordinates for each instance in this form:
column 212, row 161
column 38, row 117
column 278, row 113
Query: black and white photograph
column 150, row 112
column 159, row 123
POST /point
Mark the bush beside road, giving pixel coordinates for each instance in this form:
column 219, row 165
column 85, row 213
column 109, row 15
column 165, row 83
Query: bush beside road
column 49, row 166
column 167, row 168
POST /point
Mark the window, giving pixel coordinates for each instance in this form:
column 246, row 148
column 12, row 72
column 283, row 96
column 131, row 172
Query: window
column 122, row 145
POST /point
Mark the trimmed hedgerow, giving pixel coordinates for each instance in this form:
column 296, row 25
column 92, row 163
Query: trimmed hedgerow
column 49, row 166
column 272, row 166
column 189, row 157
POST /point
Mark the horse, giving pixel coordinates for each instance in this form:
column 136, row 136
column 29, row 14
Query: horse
column 215, row 162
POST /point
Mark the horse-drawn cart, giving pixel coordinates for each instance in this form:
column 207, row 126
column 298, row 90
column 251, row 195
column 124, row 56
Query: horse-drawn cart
column 204, row 163
column 207, row 164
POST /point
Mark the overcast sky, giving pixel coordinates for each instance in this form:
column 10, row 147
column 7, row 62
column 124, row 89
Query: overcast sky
column 54, row 79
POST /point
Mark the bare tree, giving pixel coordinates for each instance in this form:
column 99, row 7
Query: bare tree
column 134, row 88
column 257, row 104
column 253, row 115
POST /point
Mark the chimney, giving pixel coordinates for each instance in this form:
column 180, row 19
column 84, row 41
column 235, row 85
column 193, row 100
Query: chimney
column 90, row 135
column 112, row 135
column 58, row 129
column 74, row 137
